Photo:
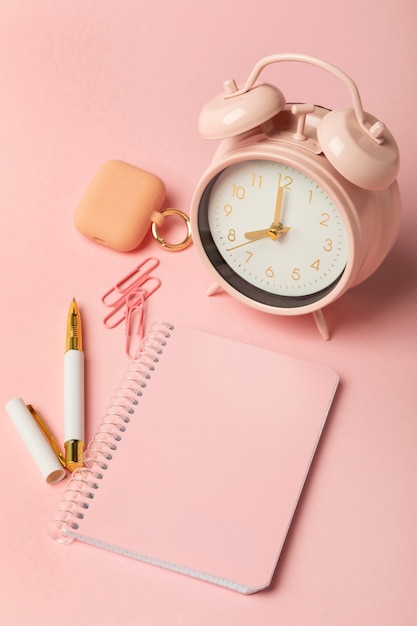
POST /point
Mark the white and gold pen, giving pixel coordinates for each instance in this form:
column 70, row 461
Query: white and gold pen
column 74, row 390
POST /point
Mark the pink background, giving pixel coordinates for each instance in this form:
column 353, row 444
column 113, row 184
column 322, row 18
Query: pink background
column 87, row 81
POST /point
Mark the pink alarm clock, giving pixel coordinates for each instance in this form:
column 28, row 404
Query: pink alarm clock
column 300, row 203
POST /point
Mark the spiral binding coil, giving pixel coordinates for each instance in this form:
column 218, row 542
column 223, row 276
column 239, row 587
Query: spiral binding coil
column 85, row 481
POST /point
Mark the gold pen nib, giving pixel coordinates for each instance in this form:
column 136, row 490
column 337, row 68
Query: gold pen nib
column 74, row 334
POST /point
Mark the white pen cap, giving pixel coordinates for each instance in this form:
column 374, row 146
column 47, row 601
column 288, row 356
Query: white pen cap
column 36, row 441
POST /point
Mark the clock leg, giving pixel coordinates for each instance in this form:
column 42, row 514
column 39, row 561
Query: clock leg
column 321, row 324
column 214, row 288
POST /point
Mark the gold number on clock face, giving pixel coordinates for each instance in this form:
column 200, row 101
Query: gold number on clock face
column 277, row 229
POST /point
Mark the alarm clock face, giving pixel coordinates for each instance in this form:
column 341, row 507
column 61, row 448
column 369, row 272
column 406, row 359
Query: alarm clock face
column 273, row 233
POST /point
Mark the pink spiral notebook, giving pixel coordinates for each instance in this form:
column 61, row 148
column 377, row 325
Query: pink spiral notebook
column 201, row 457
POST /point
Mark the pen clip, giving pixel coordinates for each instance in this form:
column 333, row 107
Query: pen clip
column 47, row 433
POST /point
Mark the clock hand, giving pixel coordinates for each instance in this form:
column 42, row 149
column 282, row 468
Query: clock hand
column 255, row 235
column 276, row 229
column 273, row 232
column 278, row 205
column 260, row 235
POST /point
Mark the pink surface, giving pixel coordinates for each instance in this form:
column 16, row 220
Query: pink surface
column 83, row 83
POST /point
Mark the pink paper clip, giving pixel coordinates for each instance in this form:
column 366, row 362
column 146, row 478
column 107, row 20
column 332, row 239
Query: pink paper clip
column 133, row 297
column 134, row 314
column 139, row 275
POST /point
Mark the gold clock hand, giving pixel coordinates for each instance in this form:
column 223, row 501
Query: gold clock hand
column 257, row 234
column 276, row 229
column 261, row 234
column 278, row 205
column 273, row 232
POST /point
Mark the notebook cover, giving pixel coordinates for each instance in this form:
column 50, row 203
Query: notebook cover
column 206, row 479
